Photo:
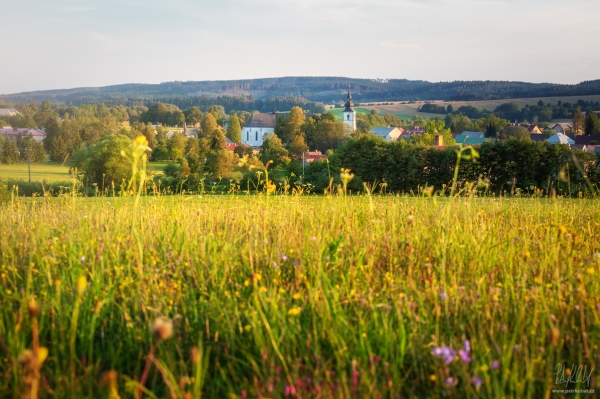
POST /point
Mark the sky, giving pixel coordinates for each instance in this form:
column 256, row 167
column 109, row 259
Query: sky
column 68, row 43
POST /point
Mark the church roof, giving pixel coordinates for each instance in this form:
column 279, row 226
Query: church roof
column 262, row 120
column 349, row 104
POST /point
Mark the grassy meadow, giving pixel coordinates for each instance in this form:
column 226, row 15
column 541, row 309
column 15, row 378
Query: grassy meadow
column 39, row 172
column 298, row 297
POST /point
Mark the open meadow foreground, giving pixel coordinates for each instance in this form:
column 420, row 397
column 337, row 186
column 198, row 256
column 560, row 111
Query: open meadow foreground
column 299, row 297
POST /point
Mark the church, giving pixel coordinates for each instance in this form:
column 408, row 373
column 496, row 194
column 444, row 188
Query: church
column 259, row 125
column 349, row 112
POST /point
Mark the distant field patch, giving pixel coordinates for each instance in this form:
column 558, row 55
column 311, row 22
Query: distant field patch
column 411, row 110
column 39, row 172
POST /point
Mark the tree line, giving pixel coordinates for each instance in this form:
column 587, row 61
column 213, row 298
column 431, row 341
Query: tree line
column 509, row 166
column 314, row 89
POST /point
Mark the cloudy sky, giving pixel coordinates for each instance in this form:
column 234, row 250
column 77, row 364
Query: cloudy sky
column 69, row 43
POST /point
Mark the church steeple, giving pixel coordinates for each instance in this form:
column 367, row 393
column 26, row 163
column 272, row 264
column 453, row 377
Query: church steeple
column 349, row 104
column 349, row 112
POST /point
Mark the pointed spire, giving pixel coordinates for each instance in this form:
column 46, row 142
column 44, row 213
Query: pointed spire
column 349, row 104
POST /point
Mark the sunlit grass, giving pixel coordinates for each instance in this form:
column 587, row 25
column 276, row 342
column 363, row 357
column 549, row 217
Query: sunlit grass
column 300, row 296
column 48, row 172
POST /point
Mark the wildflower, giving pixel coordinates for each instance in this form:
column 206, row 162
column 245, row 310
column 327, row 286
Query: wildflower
column 81, row 285
column 290, row 390
column 443, row 296
column 445, row 352
column 516, row 348
column 465, row 352
column 244, row 395
column 450, row 381
column 262, row 290
column 275, row 265
column 495, row 365
column 562, row 229
column 283, row 257
column 162, row 328
column 82, row 258
column 294, row 311
column 476, row 381
column 247, row 327
column 297, row 296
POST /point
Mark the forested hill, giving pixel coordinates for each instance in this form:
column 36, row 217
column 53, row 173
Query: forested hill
column 321, row 89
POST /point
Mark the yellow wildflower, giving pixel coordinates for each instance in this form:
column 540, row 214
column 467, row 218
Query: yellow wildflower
column 294, row 311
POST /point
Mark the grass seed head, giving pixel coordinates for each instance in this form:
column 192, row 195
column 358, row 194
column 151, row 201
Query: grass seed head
column 162, row 328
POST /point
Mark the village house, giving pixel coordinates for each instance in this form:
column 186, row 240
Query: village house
column 583, row 139
column 531, row 128
column 562, row 127
column 389, row 133
column 312, row 156
column 14, row 133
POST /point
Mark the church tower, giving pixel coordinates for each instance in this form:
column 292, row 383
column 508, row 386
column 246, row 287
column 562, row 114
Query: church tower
column 349, row 112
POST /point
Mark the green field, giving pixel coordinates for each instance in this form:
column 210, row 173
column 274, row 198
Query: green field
column 50, row 172
column 39, row 172
column 298, row 296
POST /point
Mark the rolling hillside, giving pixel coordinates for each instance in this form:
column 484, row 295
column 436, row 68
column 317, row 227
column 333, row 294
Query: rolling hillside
column 316, row 89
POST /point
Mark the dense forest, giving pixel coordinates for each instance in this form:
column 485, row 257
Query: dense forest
column 270, row 93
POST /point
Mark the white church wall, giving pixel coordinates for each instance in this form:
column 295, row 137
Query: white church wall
column 254, row 136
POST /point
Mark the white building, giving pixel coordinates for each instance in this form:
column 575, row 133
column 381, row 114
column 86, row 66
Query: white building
column 15, row 134
column 8, row 112
column 257, row 127
column 560, row 138
column 390, row 133
column 349, row 112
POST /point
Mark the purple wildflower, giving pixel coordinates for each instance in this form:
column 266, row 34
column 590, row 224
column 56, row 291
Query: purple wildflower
column 445, row 352
column 282, row 257
column 450, row 381
column 465, row 352
column 275, row 265
column 443, row 296
column 516, row 348
column 495, row 365
column 477, row 381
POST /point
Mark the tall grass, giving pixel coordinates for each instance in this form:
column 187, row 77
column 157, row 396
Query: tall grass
column 300, row 296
